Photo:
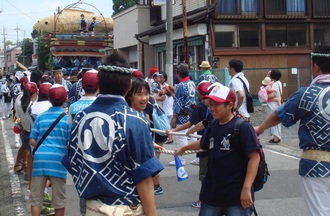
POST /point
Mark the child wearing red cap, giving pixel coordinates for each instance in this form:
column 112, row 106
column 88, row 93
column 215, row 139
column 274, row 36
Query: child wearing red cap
column 47, row 158
column 227, row 187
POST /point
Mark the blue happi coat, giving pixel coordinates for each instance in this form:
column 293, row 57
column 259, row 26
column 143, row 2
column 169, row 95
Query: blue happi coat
column 110, row 151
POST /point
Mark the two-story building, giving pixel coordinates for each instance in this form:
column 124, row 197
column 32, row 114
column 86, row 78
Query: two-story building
column 264, row 34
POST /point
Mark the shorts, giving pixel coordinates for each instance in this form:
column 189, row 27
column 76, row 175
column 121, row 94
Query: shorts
column 203, row 165
column 58, row 191
column 97, row 208
column 26, row 141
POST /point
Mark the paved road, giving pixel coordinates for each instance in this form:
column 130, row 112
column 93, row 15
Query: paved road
column 281, row 195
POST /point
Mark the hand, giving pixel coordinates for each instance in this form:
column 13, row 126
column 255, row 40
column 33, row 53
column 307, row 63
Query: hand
column 258, row 130
column 178, row 151
column 246, row 198
column 168, row 132
column 156, row 146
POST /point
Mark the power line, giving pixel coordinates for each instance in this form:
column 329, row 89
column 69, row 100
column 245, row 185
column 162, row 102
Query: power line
column 21, row 11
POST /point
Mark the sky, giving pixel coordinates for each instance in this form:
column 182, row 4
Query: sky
column 23, row 14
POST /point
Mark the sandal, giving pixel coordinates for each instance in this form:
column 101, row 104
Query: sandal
column 169, row 141
column 18, row 169
column 273, row 141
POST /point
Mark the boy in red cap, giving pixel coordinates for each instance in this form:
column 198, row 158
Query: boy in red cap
column 47, row 158
column 233, row 163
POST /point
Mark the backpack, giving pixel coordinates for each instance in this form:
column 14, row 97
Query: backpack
column 249, row 99
column 262, row 173
column 160, row 119
column 262, row 94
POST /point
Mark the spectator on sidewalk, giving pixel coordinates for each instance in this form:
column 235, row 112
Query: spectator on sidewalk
column 206, row 73
column 310, row 106
column 236, row 83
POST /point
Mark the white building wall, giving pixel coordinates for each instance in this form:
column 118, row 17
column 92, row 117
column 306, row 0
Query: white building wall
column 177, row 7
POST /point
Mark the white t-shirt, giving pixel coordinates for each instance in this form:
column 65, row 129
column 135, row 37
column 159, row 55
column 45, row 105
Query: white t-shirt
column 237, row 85
column 168, row 105
column 40, row 107
column 277, row 85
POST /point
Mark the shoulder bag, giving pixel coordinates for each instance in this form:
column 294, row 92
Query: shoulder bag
column 48, row 131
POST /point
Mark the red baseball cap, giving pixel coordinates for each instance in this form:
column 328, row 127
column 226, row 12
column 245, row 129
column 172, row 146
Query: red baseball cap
column 221, row 93
column 31, row 87
column 90, row 81
column 153, row 70
column 24, row 79
column 137, row 74
column 203, row 87
column 57, row 93
column 44, row 89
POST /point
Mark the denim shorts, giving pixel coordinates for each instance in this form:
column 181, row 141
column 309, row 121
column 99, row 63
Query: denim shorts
column 207, row 210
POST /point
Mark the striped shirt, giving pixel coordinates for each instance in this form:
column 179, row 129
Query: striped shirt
column 47, row 159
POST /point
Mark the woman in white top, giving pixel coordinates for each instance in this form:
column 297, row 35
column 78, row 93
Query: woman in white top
column 272, row 105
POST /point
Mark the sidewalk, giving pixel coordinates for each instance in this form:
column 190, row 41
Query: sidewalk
column 289, row 143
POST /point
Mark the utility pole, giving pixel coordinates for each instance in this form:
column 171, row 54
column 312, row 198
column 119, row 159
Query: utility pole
column 4, row 51
column 17, row 29
column 24, row 49
column 169, row 41
column 185, row 31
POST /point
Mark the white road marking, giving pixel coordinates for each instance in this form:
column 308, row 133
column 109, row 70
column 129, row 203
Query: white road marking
column 16, row 189
column 283, row 154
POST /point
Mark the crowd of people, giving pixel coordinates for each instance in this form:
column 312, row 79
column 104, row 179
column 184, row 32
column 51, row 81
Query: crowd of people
column 89, row 130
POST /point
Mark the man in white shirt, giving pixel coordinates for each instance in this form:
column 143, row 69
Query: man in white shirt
column 236, row 83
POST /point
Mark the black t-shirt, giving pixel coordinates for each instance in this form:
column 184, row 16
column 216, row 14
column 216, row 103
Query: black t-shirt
column 227, row 164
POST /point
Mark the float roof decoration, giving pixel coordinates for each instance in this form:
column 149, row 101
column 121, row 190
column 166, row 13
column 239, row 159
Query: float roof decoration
column 68, row 21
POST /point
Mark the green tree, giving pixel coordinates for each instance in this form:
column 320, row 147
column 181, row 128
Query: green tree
column 27, row 50
column 43, row 52
column 120, row 5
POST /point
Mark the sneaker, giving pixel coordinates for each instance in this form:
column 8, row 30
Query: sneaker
column 47, row 200
column 196, row 204
column 172, row 163
column 195, row 161
column 27, row 195
column 17, row 145
column 48, row 211
column 158, row 190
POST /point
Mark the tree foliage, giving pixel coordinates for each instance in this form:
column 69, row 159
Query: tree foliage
column 120, row 5
column 27, row 50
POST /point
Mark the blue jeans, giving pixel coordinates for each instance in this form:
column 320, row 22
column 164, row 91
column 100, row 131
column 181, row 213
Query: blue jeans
column 207, row 210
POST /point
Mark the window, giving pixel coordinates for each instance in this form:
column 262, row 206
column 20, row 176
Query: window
column 237, row 7
column 321, row 8
column 321, row 34
column 233, row 36
column 286, row 8
column 287, row 35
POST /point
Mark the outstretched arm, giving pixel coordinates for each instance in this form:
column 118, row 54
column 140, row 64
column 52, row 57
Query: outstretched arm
column 271, row 121
column 198, row 127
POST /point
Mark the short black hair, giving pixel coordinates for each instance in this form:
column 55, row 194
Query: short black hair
column 113, row 82
column 275, row 74
column 322, row 62
column 236, row 64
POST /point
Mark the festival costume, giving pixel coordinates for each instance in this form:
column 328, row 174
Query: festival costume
column 311, row 106
column 208, row 76
column 110, row 151
column 75, row 93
